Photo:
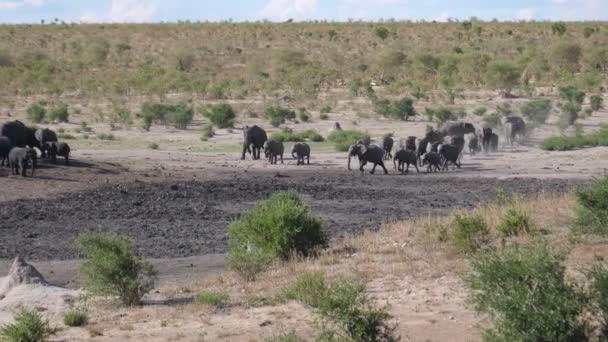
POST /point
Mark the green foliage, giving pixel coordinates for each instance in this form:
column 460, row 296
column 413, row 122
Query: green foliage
column 565, row 57
column 36, row 113
column 153, row 146
column 29, row 326
column 596, row 102
column 569, row 114
column 279, row 227
column 105, row 136
column 592, row 211
column 309, row 288
column 537, row 110
column 324, row 116
column 481, row 111
column 572, row 94
column 326, row 109
column 121, row 114
column 598, row 278
column 503, row 76
column 180, row 116
column 303, row 115
column 559, row 28
column 216, row 299
column 403, row 109
column 440, row 115
column 381, row 32
column 75, row 318
column 389, row 59
column 524, row 290
column 289, row 135
column 344, row 138
column 514, row 222
column 111, row 268
column 248, row 264
column 278, row 115
column 59, row 113
column 221, row 115
column 588, row 31
column 470, row 233
column 207, row 132
column 291, row 336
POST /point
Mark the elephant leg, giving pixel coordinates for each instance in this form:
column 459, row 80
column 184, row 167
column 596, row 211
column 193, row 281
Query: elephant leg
column 244, row 151
column 407, row 168
column 361, row 165
column 22, row 168
column 383, row 168
column 373, row 168
column 67, row 160
column 281, row 159
column 417, row 170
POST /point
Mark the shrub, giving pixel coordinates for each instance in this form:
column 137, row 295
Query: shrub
column 381, row 32
column 29, row 326
column 289, row 135
column 439, row 115
column 565, row 57
column 217, row 299
column 569, row 114
column 596, row 102
column 559, row 28
column 59, row 113
column 324, row 116
column 153, row 146
column 207, row 132
column 403, row 109
column 480, row 111
column 503, row 76
column 121, row 114
column 493, row 120
column 382, row 106
column 278, row 227
column 525, row 291
column 303, row 115
column 326, row 109
column 177, row 115
column 588, row 31
column 572, row 94
column 514, row 222
column 180, row 116
column 248, row 264
column 592, row 211
column 470, row 232
column 537, row 110
column 221, row 115
column 278, row 115
column 343, row 139
column 111, row 268
column 309, row 288
column 75, row 318
column 598, row 279
column 36, row 113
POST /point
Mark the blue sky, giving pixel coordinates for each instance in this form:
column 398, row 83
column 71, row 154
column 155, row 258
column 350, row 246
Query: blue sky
column 32, row 11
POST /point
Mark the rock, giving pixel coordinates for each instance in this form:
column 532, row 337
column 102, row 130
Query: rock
column 20, row 273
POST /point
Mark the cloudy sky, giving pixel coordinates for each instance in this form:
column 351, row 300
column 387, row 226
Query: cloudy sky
column 32, row 11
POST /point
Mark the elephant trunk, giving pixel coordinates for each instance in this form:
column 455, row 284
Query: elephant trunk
column 349, row 157
column 395, row 162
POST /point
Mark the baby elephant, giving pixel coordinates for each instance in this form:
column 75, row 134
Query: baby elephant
column 301, row 151
column 433, row 159
column 274, row 149
column 405, row 157
column 18, row 159
column 59, row 149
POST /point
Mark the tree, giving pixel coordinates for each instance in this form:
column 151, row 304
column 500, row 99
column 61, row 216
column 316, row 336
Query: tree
column 389, row 59
column 381, row 32
column 566, row 56
column 559, row 28
column 403, row 109
column 503, row 76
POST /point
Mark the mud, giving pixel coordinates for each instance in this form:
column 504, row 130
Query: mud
column 181, row 219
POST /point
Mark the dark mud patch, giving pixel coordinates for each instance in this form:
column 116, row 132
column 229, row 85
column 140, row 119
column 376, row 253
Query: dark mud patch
column 191, row 218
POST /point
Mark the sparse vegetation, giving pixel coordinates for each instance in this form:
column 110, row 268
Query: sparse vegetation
column 537, row 110
column 207, row 132
column 343, row 139
column 216, row 299
column 59, row 113
column 566, row 143
column 153, row 146
column 469, row 233
column 278, row 115
column 111, row 268
column 596, row 102
column 36, row 113
column 29, row 326
column 592, row 211
column 75, row 318
column 104, row 136
column 288, row 135
column 514, row 222
column 221, row 115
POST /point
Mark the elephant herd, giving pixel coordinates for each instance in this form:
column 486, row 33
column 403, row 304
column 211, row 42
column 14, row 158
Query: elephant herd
column 436, row 151
column 18, row 144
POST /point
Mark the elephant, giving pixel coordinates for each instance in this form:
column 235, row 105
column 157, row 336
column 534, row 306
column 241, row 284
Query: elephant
column 301, row 151
column 450, row 154
column 5, row 147
column 459, row 143
column 474, row 145
column 18, row 159
column 335, row 127
column 494, row 142
column 456, row 129
column 421, row 150
column 404, row 156
column 433, row 159
column 16, row 131
column 58, row 149
column 366, row 141
column 253, row 136
column 44, row 135
column 387, row 145
column 372, row 154
column 486, row 139
column 514, row 127
column 273, row 149
column 434, row 136
column 408, row 144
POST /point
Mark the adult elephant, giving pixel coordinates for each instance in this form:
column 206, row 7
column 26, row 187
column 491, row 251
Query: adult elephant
column 5, row 147
column 486, row 139
column 255, row 137
column 367, row 154
column 387, row 145
column 514, row 127
column 44, row 136
column 456, row 129
column 16, row 132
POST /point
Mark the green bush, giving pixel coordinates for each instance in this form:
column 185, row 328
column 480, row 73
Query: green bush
column 503, row 76
column 480, row 111
column 153, row 146
column 181, row 116
column 559, row 28
column 248, row 264
column 569, row 115
column 111, row 268
column 381, row 32
column 326, row 109
column 343, row 139
column 588, row 31
column 323, row 116
column 592, row 211
column 537, row 110
column 525, row 292
column 59, row 113
column 309, row 288
column 278, row 227
column 29, row 326
column 514, row 222
column 440, row 115
column 121, row 114
column 598, row 279
column 217, row 299
column 36, row 113
column 596, row 102
column 177, row 115
column 303, row 115
column 572, row 94
column 278, row 115
column 493, row 120
column 75, row 318
column 470, row 233
column 403, row 109
column 221, row 115
column 288, row 135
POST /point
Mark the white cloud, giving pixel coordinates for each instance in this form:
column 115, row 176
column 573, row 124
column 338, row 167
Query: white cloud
column 133, row 10
column 4, row 5
column 285, row 9
column 525, row 14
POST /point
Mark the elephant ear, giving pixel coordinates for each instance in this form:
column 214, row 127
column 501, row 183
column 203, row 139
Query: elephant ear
column 362, row 149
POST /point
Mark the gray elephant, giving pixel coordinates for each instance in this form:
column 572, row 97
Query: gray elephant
column 15, row 131
column 456, row 129
column 408, row 144
column 450, row 154
column 494, row 142
column 255, row 137
column 387, row 145
column 5, row 148
column 421, row 150
column 372, row 154
column 301, row 151
column 18, row 159
column 433, row 162
column 273, row 149
column 486, row 139
column 404, row 157
column 474, row 145
column 514, row 127
column 44, row 136
column 58, row 149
